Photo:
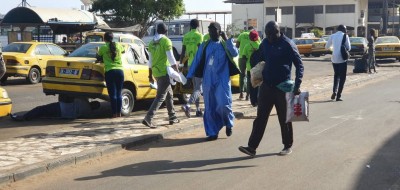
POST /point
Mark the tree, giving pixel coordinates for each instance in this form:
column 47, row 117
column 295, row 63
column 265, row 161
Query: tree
column 317, row 32
column 143, row 12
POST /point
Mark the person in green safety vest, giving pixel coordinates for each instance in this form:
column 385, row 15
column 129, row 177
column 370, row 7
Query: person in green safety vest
column 191, row 43
column 242, row 40
column 161, row 57
column 249, row 49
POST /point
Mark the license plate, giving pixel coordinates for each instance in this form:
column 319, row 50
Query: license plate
column 66, row 71
column 388, row 48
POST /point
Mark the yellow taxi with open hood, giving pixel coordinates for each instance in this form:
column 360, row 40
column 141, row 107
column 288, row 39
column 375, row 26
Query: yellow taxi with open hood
column 28, row 59
column 78, row 74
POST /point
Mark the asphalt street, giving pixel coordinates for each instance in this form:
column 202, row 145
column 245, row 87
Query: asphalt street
column 346, row 145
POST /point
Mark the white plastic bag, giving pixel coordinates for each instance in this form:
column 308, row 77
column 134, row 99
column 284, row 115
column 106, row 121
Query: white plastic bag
column 256, row 74
column 297, row 107
column 175, row 76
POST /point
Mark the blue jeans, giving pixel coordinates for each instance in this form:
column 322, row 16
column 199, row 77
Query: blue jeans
column 339, row 78
column 115, row 82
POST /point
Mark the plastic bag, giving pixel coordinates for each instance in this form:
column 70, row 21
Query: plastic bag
column 297, row 107
column 256, row 74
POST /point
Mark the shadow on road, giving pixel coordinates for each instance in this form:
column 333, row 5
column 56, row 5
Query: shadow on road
column 382, row 171
column 170, row 167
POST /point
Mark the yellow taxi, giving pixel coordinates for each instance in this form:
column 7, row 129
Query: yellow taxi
column 5, row 103
column 358, row 46
column 78, row 74
column 118, row 37
column 28, row 59
column 387, row 47
column 318, row 47
column 304, row 45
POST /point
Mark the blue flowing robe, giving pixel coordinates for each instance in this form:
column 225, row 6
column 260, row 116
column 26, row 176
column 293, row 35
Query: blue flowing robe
column 216, row 86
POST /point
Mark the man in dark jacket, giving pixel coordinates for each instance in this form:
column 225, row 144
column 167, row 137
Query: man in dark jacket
column 279, row 53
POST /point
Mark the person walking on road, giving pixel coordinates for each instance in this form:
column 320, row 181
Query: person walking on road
column 66, row 108
column 279, row 53
column 249, row 49
column 214, row 63
column 111, row 54
column 338, row 63
column 371, row 50
column 242, row 40
column 161, row 57
column 191, row 43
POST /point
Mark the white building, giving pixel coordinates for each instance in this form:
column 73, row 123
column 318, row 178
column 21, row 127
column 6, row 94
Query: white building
column 299, row 16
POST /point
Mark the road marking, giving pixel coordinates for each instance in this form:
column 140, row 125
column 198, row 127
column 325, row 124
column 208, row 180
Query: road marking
column 351, row 116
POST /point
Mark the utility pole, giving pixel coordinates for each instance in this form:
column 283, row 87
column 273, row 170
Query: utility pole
column 385, row 16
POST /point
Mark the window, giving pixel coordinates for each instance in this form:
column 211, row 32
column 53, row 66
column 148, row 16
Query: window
column 340, row 8
column 55, row 50
column 17, row 47
column 126, row 40
column 42, row 49
column 285, row 10
column 130, row 58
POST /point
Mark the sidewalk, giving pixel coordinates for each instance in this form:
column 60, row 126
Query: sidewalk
column 38, row 153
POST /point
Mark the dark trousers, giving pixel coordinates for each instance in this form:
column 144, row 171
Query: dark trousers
column 270, row 96
column 253, row 92
column 339, row 77
column 242, row 68
column 115, row 82
column 49, row 110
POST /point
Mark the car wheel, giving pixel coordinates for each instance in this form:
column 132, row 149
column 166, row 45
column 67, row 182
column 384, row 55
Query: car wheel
column 307, row 55
column 33, row 76
column 128, row 102
column 183, row 98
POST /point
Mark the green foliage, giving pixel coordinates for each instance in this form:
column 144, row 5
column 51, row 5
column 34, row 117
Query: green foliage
column 143, row 12
column 317, row 32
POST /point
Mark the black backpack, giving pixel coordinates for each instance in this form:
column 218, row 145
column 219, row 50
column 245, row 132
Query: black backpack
column 343, row 49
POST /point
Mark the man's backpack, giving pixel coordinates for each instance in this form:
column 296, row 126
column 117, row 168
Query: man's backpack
column 343, row 50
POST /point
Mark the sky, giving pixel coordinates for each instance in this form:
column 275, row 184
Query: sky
column 190, row 6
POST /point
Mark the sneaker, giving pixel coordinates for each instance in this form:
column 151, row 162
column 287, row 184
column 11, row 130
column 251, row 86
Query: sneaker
column 199, row 113
column 247, row 150
column 16, row 117
column 228, row 131
column 148, row 124
column 285, row 151
column 173, row 119
column 241, row 96
column 333, row 96
column 186, row 109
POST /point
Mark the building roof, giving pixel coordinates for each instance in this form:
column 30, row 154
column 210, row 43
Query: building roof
column 245, row 1
column 58, row 19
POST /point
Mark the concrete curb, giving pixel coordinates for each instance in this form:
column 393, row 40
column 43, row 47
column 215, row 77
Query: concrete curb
column 122, row 144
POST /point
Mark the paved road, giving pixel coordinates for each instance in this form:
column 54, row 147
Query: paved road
column 347, row 145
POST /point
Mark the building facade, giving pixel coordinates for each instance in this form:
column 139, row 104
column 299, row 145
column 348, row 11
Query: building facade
column 301, row 16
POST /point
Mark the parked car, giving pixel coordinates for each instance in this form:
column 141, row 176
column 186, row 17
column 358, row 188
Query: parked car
column 387, row 47
column 5, row 103
column 359, row 46
column 304, row 45
column 80, row 75
column 29, row 59
column 318, row 47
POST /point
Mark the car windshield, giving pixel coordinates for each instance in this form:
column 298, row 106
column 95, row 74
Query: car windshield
column 357, row 40
column 87, row 50
column 17, row 47
column 94, row 38
column 323, row 39
column 389, row 40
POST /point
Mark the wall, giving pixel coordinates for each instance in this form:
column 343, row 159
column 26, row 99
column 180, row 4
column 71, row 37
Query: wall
column 242, row 12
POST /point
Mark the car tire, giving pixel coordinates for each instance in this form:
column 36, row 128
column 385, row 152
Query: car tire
column 128, row 102
column 34, row 76
column 183, row 98
column 307, row 55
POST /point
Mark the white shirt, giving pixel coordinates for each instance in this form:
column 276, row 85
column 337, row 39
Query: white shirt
column 335, row 40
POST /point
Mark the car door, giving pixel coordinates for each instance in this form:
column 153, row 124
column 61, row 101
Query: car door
column 139, row 74
column 43, row 54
